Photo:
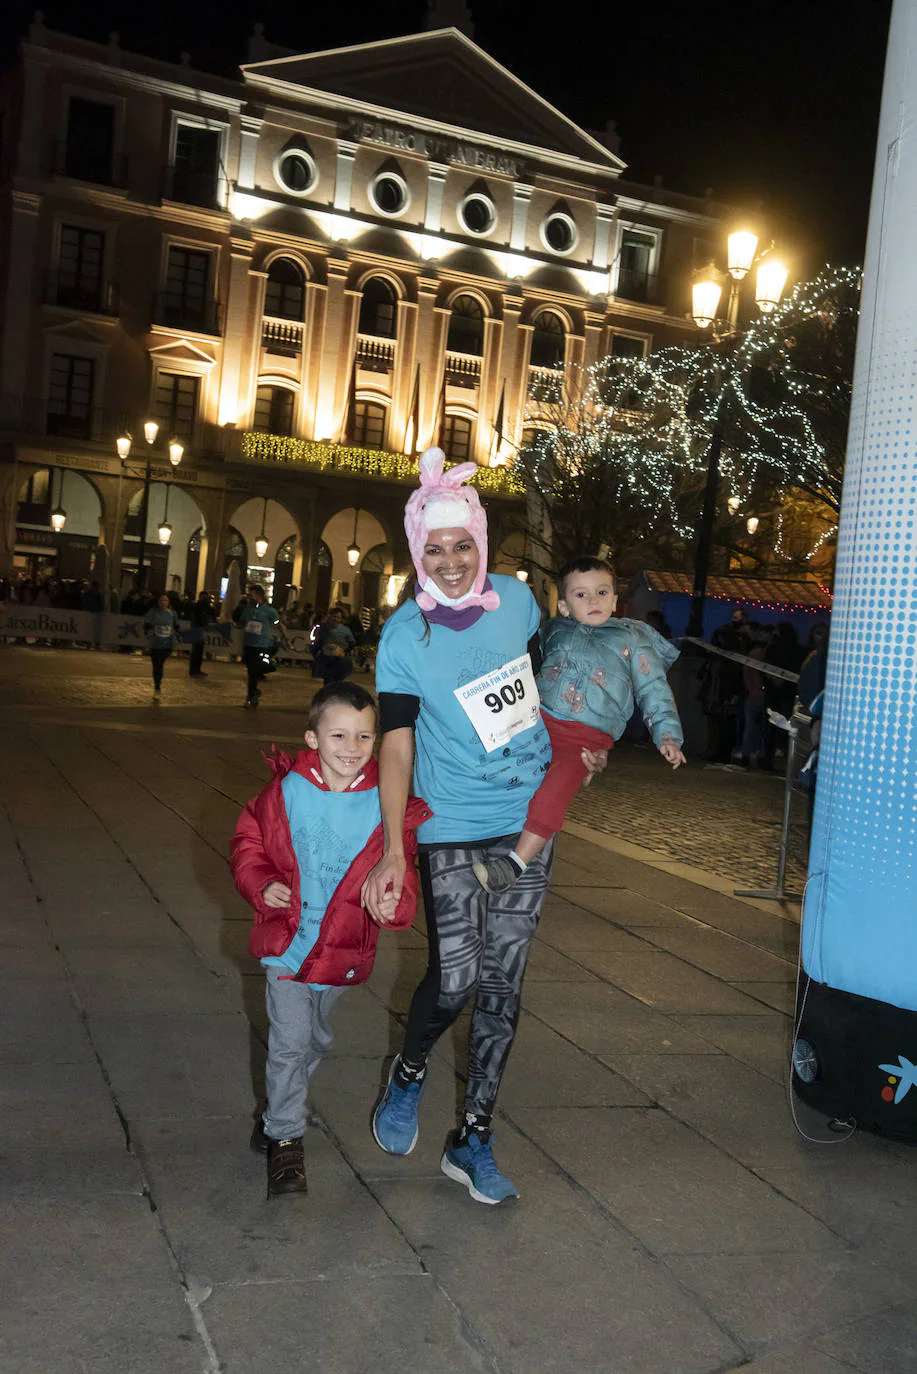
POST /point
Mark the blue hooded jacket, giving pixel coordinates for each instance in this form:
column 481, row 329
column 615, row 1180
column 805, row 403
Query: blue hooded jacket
column 594, row 674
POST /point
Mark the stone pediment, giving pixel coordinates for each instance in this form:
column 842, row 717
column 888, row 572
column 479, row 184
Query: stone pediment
column 441, row 76
column 78, row 331
column 181, row 351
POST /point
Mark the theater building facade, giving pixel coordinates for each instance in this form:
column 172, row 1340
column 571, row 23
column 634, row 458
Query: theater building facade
column 303, row 276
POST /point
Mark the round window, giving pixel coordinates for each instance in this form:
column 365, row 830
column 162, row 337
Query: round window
column 296, row 171
column 559, row 233
column 478, row 214
column 389, row 193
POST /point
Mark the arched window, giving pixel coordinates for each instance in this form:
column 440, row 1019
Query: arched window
column 548, row 338
column 274, row 410
column 466, row 327
column 457, row 438
column 377, row 309
column 368, row 425
column 285, row 296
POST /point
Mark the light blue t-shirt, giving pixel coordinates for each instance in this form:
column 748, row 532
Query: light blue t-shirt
column 328, row 829
column 258, row 623
column 474, row 793
column 164, row 628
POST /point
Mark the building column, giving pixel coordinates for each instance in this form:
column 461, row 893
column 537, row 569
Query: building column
column 248, row 151
column 20, row 299
column 604, row 216
column 436, row 182
column 510, row 365
column 429, row 334
column 523, row 354
column 594, row 327
column 403, row 380
column 313, row 346
column 522, row 196
column 343, row 181
column 488, row 392
column 237, row 331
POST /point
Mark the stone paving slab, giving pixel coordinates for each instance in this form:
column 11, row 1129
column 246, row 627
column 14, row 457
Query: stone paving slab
column 603, row 1020
column 648, row 1325
column 660, row 980
column 373, row 1325
column 89, row 1287
column 707, row 1203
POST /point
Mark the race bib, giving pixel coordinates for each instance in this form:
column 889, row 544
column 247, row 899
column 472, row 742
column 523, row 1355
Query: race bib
column 253, row 627
column 163, row 631
column 502, row 703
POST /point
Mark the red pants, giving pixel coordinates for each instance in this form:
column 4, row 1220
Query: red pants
column 563, row 779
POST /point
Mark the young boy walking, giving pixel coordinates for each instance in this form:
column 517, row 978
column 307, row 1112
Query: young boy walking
column 593, row 670
column 300, row 854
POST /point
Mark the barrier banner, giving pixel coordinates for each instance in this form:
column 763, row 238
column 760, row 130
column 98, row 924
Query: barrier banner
column 109, row 630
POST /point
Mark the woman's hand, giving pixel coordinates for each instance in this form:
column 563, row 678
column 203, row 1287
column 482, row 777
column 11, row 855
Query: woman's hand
column 381, row 892
column 276, row 895
column 595, row 760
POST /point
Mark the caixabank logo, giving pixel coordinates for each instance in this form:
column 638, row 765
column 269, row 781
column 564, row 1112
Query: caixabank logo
column 901, row 1078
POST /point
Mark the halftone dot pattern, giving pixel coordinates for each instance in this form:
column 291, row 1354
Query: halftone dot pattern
column 860, row 925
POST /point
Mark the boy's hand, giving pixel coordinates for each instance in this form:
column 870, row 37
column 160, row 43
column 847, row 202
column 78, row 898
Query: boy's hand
column 383, row 886
column 386, row 910
column 671, row 753
column 595, row 760
column 276, row 895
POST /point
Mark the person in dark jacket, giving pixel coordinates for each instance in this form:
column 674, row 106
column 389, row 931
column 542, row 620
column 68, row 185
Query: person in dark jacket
column 300, row 854
column 200, row 615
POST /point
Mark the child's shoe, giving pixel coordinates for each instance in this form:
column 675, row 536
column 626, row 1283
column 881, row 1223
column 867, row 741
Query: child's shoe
column 471, row 1162
column 286, row 1169
column 395, row 1119
column 259, row 1141
column 497, row 875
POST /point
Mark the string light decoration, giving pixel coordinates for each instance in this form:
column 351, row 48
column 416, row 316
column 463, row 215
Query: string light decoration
column 648, row 422
column 362, row 462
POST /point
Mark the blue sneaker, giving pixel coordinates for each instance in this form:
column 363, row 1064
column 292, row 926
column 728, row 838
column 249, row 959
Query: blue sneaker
column 473, row 1164
column 395, row 1119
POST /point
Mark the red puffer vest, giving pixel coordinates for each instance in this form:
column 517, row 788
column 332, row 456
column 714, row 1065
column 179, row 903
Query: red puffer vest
column 262, row 853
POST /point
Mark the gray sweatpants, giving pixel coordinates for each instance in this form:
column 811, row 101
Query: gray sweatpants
column 479, row 946
column 300, row 1036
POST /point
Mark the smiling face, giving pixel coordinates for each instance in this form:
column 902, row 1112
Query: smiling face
column 344, row 739
column 589, row 597
column 451, row 559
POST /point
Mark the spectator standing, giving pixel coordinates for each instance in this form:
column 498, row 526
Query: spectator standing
column 200, row 614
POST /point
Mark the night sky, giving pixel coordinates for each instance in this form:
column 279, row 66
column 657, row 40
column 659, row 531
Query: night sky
column 773, row 104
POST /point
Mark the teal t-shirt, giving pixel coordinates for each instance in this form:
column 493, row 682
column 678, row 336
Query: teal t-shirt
column 258, row 625
column 476, row 776
column 328, row 830
column 164, row 628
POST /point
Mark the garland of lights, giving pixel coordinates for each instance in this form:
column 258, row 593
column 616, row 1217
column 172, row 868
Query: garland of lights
column 654, row 416
column 362, row 462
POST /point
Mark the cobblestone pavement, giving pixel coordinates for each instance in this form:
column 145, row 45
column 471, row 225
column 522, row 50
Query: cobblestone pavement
column 723, row 822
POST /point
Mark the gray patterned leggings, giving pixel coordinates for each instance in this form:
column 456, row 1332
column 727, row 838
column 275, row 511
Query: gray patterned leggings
column 479, row 945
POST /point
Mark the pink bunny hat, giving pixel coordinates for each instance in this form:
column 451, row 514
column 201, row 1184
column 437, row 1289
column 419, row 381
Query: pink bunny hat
column 442, row 502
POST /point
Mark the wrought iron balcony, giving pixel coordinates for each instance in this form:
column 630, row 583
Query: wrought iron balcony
column 463, row 369
column 206, row 189
column 635, row 285
column 281, row 336
column 179, row 312
column 375, row 353
column 75, row 293
column 83, row 162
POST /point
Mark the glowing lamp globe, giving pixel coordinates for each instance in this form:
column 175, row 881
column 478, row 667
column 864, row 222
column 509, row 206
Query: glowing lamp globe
column 353, row 555
column 732, row 505
column 165, row 533
column 176, row 450
column 741, row 248
column 58, row 519
column 705, row 299
column 751, row 524
column 260, row 546
column 769, row 285
column 123, row 445
column 522, row 574
column 150, row 430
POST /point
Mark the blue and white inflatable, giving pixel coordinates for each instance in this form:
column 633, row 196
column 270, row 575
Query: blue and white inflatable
column 855, row 1049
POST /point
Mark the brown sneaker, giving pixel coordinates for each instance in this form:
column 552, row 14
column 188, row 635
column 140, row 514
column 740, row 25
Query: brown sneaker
column 286, row 1170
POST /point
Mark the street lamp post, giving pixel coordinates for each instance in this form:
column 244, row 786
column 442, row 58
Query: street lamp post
column 770, row 281
column 176, row 452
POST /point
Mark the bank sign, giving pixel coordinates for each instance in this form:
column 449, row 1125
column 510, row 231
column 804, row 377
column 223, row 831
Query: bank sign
column 438, row 148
